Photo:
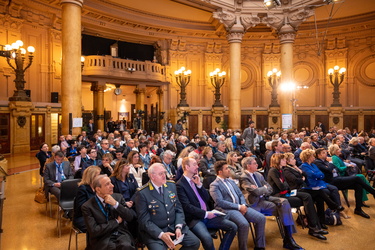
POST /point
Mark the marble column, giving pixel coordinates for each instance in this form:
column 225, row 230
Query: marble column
column 160, row 93
column 71, row 80
column 234, row 39
column 100, row 107
column 287, row 36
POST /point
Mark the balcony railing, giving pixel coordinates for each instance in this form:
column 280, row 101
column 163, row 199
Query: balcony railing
column 108, row 66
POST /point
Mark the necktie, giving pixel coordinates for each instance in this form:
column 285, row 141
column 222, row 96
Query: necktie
column 201, row 202
column 231, row 191
column 256, row 180
column 161, row 191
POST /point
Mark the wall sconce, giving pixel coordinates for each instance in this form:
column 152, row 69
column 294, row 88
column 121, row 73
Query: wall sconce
column 273, row 81
column 17, row 53
column 336, row 77
column 182, row 79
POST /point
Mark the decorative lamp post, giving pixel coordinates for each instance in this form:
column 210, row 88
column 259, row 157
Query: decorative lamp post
column 217, row 81
column 182, row 79
column 18, row 54
column 338, row 74
column 273, row 79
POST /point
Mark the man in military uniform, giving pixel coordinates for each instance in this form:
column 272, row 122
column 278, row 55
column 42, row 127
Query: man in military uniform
column 160, row 214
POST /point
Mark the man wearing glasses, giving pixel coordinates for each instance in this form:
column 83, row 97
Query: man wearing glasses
column 160, row 214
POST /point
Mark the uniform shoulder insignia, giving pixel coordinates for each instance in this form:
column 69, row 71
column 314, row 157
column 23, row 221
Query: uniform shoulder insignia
column 170, row 181
column 143, row 187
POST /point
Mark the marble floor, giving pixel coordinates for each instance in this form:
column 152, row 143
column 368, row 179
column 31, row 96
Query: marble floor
column 27, row 227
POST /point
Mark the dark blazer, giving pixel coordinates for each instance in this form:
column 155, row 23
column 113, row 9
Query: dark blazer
column 84, row 193
column 327, row 169
column 274, row 180
column 99, row 229
column 132, row 184
column 50, row 173
column 190, row 202
column 253, row 195
column 158, row 213
column 294, row 178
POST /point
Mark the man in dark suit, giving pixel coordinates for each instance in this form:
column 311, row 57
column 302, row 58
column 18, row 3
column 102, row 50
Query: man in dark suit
column 229, row 199
column 55, row 173
column 194, row 200
column 104, row 216
column 160, row 214
column 91, row 127
column 257, row 193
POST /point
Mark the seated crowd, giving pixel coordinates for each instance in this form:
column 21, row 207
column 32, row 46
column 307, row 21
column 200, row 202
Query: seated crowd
column 166, row 189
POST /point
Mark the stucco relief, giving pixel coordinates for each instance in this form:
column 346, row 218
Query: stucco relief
column 365, row 71
column 305, row 73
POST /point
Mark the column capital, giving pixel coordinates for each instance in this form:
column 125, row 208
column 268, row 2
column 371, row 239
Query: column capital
column 236, row 22
column 160, row 92
column 78, row 2
column 287, row 34
column 235, row 37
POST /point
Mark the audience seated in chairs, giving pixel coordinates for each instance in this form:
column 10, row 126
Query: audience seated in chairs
column 235, row 167
column 85, row 192
column 105, row 166
column 257, row 194
column 229, row 199
column 136, row 166
column 42, row 156
column 92, row 161
column 277, row 180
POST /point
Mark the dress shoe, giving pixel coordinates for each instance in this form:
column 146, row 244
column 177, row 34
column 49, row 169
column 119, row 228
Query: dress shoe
column 259, row 248
column 321, row 231
column 323, row 226
column 291, row 244
column 361, row 213
column 340, row 208
column 317, row 235
column 365, row 205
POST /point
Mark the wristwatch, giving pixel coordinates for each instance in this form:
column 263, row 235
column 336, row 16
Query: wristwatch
column 178, row 227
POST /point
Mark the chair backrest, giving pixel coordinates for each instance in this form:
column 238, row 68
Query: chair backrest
column 369, row 163
column 69, row 189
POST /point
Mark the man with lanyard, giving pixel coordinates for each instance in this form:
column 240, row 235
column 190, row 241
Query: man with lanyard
column 167, row 157
column 55, row 173
column 105, row 215
column 104, row 144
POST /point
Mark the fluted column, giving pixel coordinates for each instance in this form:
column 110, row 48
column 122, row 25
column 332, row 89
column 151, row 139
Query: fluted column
column 235, row 39
column 71, row 80
column 287, row 36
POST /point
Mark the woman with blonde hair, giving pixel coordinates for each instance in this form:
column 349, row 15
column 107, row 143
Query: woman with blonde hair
column 276, row 179
column 234, row 166
column 229, row 145
column 124, row 182
column 85, row 192
column 136, row 166
column 206, row 163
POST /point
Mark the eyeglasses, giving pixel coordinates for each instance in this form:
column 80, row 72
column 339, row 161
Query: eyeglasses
column 161, row 173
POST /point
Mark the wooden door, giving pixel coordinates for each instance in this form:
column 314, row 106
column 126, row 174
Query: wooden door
column 324, row 119
column 369, row 122
column 303, row 121
column 4, row 133
column 262, row 122
column 351, row 121
column 37, row 131
column 193, row 125
column 207, row 123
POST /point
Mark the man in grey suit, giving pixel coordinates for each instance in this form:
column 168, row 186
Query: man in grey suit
column 257, row 193
column 249, row 135
column 229, row 199
column 55, row 173
column 160, row 214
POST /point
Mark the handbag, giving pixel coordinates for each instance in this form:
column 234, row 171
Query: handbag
column 332, row 217
column 40, row 196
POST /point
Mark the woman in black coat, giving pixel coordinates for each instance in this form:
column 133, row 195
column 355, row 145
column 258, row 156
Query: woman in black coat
column 42, row 156
column 85, row 192
column 276, row 179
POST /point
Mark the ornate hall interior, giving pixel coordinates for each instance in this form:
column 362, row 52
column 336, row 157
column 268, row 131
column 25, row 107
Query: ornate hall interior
column 287, row 66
